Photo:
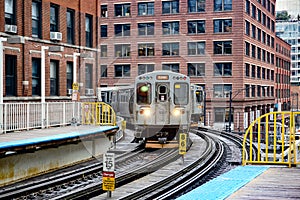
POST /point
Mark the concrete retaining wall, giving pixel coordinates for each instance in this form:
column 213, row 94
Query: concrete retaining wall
column 20, row 166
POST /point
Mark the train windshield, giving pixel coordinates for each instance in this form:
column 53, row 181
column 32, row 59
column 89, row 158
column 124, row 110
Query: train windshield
column 181, row 93
column 143, row 93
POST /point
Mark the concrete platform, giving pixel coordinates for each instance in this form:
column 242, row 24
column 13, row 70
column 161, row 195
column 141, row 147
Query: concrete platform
column 29, row 153
column 250, row 182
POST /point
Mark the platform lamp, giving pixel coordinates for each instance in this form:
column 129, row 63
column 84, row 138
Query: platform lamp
column 43, row 75
column 10, row 40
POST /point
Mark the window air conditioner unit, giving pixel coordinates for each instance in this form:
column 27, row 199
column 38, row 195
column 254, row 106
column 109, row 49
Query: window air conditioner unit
column 11, row 28
column 56, row 36
column 69, row 91
column 89, row 92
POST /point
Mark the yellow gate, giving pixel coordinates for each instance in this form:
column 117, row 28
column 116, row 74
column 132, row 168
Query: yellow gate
column 275, row 136
column 98, row 113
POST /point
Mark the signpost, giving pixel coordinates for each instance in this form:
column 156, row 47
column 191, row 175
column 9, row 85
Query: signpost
column 75, row 93
column 108, row 174
column 182, row 144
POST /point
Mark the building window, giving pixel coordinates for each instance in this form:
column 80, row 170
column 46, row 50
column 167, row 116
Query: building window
column 146, row 49
column 10, row 12
column 122, row 71
column 253, row 90
column 70, row 26
column 258, row 55
column 222, row 26
column 253, row 71
column 196, row 27
column 259, row 15
column 104, row 12
column 253, row 52
column 144, row 68
column 196, row 6
column 122, row 30
column 146, row 28
column 69, row 75
column 170, row 28
column 11, row 75
column 223, row 69
column 122, row 10
column 170, row 49
column 103, row 71
column 196, row 69
column 263, row 73
column 146, row 8
column 36, row 76
column 122, row 50
column 258, row 72
column 247, row 29
column 222, row 47
column 89, row 30
column 258, row 34
column 174, row 67
column 247, row 70
column 170, row 7
column 103, row 31
column 253, row 31
column 54, row 13
column 222, row 5
column 247, row 91
column 196, row 48
column 253, row 11
column 247, row 7
column 222, row 115
column 247, row 48
column 103, row 51
column 258, row 90
column 36, row 19
column 222, row 90
column 89, row 76
column 54, row 80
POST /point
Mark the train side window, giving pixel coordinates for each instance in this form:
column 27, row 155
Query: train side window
column 199, row 96
column 143, row 95
column 181, row 93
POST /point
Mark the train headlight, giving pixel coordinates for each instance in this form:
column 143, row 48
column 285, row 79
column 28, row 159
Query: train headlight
column 178, row 112
column 145, row 111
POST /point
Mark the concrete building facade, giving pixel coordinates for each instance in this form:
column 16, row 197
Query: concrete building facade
column 226, row 46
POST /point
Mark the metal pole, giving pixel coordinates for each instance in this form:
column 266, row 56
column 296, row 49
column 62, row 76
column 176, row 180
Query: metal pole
column 75, row 67
column 1, row 82
column 43, row 83
column 1, row 67
column 204, row 107
column 230, row 101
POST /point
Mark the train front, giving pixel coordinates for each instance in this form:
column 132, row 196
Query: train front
column 162, row 108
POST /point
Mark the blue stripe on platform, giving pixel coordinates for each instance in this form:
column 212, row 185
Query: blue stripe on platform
column 225, row 184
column 57, row 137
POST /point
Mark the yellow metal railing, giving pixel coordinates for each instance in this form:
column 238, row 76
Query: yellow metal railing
column 276, row 137
column 98, row 113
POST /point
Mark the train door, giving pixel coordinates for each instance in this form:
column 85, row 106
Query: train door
column 162, row 103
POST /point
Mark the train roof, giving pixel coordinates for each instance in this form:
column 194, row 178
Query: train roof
column 162, row 72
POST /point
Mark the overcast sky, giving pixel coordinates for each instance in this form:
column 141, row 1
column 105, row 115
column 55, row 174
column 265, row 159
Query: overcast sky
column 292, row 6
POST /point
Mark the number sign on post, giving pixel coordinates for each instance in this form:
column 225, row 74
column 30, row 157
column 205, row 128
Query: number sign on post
column 108, row 172
column 109, row 162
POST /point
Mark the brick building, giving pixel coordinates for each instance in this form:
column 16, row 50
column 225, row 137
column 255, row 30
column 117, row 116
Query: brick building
column 224, row 45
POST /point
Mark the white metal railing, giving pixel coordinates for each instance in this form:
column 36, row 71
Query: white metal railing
column 25, row 116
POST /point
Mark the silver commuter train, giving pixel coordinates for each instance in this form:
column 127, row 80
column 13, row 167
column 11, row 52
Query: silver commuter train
column 160, row 105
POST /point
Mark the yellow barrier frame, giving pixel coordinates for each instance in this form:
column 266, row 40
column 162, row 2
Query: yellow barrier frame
column 98, row 113
column 280, row 151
